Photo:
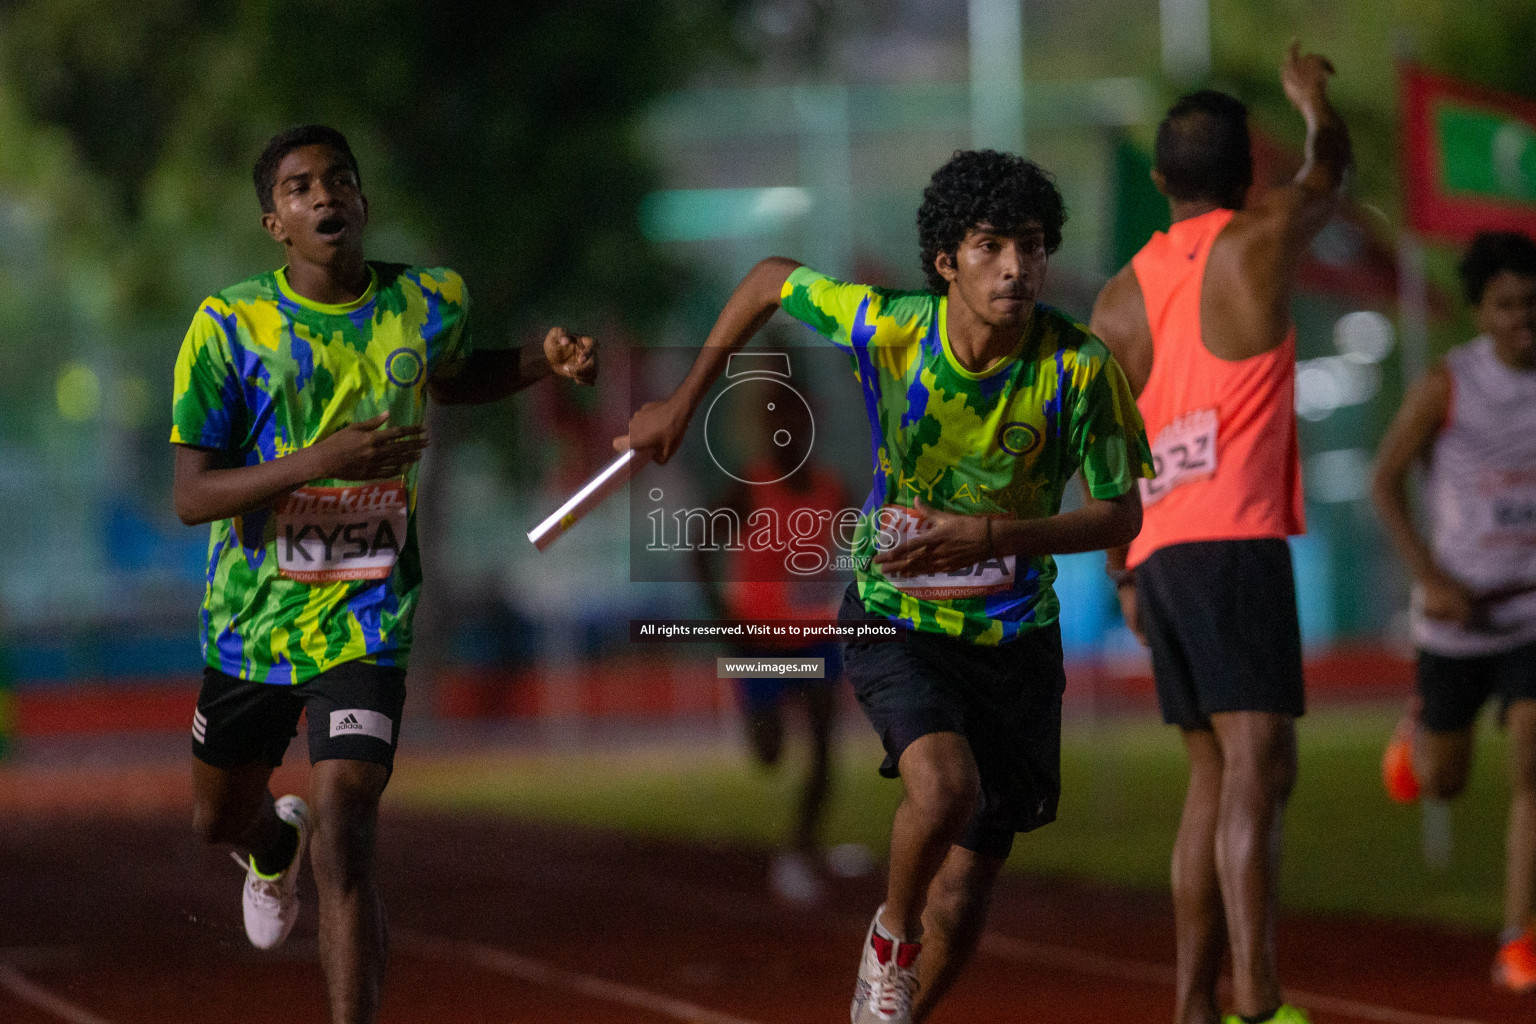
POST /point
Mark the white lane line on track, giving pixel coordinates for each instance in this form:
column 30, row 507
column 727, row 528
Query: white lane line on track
column 35, row 995
column 1039, row 954
column 1083, row 962
column 536, row 972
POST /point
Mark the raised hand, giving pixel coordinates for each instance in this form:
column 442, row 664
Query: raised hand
column 1305, row 77
column 368, row 450
column 570, row 355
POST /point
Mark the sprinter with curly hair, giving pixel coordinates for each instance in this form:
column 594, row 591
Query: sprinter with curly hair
column 982, row 404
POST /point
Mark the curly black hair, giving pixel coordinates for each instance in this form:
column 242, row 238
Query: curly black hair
column 1203, row 149
column 280, row 145
column 1005, row 192
column 1490, row 254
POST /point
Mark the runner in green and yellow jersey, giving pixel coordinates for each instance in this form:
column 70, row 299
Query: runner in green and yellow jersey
column 982, row 404
column 297, row 423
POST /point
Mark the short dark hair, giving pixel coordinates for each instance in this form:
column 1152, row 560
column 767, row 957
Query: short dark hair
column 1490, row 254
column 1003, row 191
column 1203, row 149
column 285, row 142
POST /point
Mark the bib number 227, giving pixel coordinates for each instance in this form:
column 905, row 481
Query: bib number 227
column 1184, row 451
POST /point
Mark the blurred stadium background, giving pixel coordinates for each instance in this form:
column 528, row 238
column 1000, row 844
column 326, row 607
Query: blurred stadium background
column 616, row 166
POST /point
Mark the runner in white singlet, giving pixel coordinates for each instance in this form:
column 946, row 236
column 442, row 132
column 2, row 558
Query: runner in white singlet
column 1471, row 421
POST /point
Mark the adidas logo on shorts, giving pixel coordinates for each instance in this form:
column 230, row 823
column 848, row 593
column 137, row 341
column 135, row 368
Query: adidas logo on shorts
column 199, row 726
column 360, row 722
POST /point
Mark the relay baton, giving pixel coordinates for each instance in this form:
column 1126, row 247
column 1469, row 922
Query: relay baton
column 611, row 478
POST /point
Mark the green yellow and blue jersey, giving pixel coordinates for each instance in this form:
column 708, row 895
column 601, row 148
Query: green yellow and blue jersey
column 331, row 573
column 1003, row 442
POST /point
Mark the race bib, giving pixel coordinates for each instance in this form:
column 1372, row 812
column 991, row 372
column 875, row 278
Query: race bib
column 1510, row 501
column 990, row 577
column 1184, row 451
column 325, row 534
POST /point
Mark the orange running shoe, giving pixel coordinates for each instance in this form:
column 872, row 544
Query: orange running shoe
column 1397, row 774
column 1515, row 966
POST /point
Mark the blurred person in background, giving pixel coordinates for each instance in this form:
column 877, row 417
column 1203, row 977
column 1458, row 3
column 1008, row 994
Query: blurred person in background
column 757, row 581
column 1470, row 421
column 982, row 404
column 1201, row 321
column 297, row 427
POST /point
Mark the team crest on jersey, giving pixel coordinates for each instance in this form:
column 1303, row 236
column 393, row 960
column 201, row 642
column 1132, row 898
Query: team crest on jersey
column 1018, row 438
column 404, row 367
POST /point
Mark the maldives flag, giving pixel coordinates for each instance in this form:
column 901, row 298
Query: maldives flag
column 1469, row 158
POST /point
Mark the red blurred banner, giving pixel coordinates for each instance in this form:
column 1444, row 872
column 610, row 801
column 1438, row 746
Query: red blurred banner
column 1469, row 157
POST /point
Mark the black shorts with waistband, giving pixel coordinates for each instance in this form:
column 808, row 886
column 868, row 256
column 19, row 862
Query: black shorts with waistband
column 1220, row 619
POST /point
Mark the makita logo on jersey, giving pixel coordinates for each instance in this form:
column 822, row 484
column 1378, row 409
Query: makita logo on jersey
column 344, row 500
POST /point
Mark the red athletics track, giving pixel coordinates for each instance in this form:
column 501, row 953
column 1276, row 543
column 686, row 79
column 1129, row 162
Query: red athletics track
column 111, row 914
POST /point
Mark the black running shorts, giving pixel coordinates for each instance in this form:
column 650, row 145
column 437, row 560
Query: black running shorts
column 1220, row 619
column 353, row 712
column 1454, row 689
column 1005, row 701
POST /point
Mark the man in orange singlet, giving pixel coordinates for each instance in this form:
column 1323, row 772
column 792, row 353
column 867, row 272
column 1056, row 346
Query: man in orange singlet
column 1200, row 320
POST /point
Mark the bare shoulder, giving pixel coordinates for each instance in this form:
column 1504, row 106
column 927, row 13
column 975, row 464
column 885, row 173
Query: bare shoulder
column 1120, row 321
column 1286, row 216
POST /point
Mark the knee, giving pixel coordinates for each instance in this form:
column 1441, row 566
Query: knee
column 1266, row 770
column 943, row 789
column 1444, row 781
column 341, row 848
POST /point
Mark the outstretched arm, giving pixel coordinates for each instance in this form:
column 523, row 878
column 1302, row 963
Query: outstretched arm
column 492, row 374
column 205, row 488
column 1409, row 437
column 660, row 426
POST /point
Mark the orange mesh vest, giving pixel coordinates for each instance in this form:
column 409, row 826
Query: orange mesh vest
column 1223, row 433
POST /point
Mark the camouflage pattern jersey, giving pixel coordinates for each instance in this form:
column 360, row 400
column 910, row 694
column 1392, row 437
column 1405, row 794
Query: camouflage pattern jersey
column 331, row 573
column 1003, row 442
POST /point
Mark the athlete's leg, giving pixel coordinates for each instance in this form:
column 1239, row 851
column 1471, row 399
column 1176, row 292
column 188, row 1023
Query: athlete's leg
column 353, row 932
column 958, row 901
column 942, row 784
column 1258, row 757
column 1520, row 843
column 234, row 805
column 1442, row 761
column 821, row 710
column 765, row 730
column 1199, row 926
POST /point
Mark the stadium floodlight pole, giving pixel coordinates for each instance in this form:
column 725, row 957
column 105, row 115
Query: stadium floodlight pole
column 996, row 30
column 1186, row 31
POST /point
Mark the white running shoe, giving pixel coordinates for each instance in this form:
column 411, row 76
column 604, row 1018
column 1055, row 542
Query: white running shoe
column 887, row 979
column 271, row 902
column 793, row 879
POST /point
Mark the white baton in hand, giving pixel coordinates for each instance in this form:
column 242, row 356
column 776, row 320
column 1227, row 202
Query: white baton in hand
column 611, row 478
